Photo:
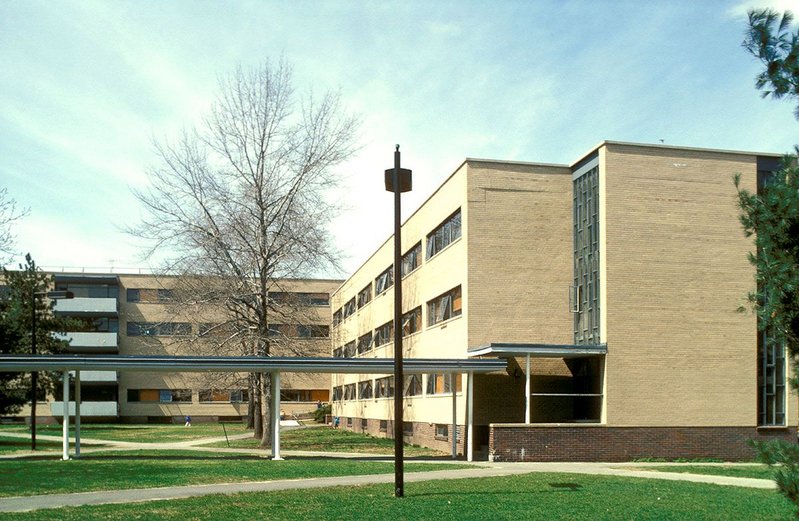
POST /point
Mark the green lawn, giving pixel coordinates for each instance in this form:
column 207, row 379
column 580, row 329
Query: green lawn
column 736, row 471
column 325, row 439
column 532, row 496
column 144, row 433
column 10, row 444
column 108, row 470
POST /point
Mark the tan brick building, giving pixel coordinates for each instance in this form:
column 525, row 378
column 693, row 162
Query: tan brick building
column 128, row 314
column 620, row 276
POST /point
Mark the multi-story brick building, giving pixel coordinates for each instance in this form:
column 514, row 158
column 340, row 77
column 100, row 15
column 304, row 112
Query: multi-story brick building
column 129, row 314
column 617, row 280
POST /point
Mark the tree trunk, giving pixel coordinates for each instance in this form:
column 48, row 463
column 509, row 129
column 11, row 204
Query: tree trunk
column 266, row 398
column 251, row 402
column 257, row 416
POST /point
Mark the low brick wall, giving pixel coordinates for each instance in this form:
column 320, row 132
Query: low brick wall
column 515, row 442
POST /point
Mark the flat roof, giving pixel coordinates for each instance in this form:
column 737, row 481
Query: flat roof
column 25, row 363
column 505, row 350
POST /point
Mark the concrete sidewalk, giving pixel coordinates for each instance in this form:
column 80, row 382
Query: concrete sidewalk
column 479, row 470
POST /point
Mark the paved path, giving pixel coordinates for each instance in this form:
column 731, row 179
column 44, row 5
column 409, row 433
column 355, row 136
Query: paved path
column 476, row 470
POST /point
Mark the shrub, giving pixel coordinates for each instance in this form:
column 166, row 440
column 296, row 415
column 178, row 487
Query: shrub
column 783, row 458
column 320, row 413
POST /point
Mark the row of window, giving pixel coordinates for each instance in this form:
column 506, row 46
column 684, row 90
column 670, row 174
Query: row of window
column 161, row 295
column 444, row 307
column 437, row 383
column 185, row 329
column 219, row 395
column 442, row 429
column 441, row 237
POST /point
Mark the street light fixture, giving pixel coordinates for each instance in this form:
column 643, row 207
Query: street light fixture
column 52, row 295
column 398, row 180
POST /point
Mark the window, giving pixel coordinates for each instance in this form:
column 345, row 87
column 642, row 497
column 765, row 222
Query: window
column 364, row 343
column 384, row 387
column 770, row 381
column 314, row 299
column 385, row 280
column 349, row 349
column 103, row 325
column 365, row 296
column 586, row 285
column 365, row 389
column 134, row 295
column 338, row 393
column 89, row 290
column 442, row 430
column 383, row 425
column 413, row 385
column 384, row 334
column 158, row 329
column 438, row 383
column 364, row 424
column 407, row 428
column 143, row 395
column 314, row 331
column 296, row 395
column 444, row 307
column 410, row 261
column 338, row 352
column 349, row 421
column 223, row 395
column 175, row 395
column 445, row 234
column 299, row 299
column 412, row 321
column 160, row 395
column 349, row 392
column 349, row 308
column 148, row 295
column 337, row 317
column 240, row 396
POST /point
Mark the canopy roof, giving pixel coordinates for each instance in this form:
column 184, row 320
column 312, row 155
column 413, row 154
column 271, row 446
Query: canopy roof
column 507, row 350
column 245, row 364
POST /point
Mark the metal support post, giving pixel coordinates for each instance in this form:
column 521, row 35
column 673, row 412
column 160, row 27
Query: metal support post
column 77, row 414
column 65, row 456
column 527, row 390
column 276, row 416
column 454, row 435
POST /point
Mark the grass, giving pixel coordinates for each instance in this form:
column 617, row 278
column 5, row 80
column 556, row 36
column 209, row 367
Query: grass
column 325, row 439
column 9, row 444
column 736, row 471
column 109, row 470
column 531, row 496
column 145, row 433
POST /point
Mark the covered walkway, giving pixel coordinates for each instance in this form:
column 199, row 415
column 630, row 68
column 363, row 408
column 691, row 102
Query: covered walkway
column 273, row 365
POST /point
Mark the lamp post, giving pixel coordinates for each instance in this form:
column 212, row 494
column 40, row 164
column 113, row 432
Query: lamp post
column 53, row 295
column 398, row 180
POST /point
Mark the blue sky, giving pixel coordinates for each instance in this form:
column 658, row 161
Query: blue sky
column 87, row 85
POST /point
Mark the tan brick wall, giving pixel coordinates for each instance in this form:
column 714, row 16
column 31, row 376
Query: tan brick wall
column 679, row 353
column 520, row 253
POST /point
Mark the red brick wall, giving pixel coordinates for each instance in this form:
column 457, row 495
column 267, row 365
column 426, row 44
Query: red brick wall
column 600, row 443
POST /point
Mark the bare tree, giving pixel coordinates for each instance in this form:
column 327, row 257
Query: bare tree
column 9, row 214
column 240, row 203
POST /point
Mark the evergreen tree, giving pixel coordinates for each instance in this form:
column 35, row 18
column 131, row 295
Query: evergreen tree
column 25, row 291
column 772, row 216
